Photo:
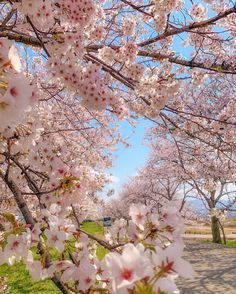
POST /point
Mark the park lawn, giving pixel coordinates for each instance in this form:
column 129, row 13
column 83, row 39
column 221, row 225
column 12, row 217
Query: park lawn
column 92, row 228
column 229, row 243
column 98, row 231
column 19, row 281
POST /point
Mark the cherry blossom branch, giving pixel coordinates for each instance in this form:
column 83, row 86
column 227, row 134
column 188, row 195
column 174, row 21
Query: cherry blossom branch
column 31, row 183
column 118, row 76
column 37, row 35
column 92, row 237
column 42, row 192
column 67, row 130
column 216, row 67
column 19, row 37
column 191, row 135
column 138, row 8
column 196, row 115
column 30, row 40
column 19, row 199
column 219, row 68
column 195, row 25
column 7, row 18
column 101, row 242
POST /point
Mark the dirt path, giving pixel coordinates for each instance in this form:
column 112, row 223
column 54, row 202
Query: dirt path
column 215, row 267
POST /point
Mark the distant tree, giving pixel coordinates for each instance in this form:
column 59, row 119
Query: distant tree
column 208, row 175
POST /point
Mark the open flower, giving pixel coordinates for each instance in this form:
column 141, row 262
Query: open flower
column 36, row 270
column 169, row 261
column 166, row 285
column 15, row 249
column 58, row 266
column 138, row 214
column 126, row 269
column 55, row 238
column 35, row 233
column 9, row 56
column 83, row 272
column 17, row 99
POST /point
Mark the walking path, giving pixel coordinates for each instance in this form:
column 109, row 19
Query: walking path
column 215, row 267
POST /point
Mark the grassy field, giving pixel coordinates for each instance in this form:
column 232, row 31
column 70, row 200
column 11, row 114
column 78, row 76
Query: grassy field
column 19, row 281
column 229, row 243
column 93, row 228
column 96, row 230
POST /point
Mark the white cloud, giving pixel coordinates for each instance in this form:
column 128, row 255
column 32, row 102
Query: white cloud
column 114, row 179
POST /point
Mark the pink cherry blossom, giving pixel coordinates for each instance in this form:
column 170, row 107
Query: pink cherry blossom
column 169, row 260
column 138, row 214
column 126, row 269
column 55, row 239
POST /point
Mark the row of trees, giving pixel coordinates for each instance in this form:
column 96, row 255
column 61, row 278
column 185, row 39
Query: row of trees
column 182, row 173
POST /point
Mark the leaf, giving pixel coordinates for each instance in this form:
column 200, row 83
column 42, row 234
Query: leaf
column 16, row 231
column 219, row 68
column 10, row 218
column 143, row 288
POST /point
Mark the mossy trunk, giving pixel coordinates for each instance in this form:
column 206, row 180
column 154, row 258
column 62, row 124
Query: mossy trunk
column 215, row 229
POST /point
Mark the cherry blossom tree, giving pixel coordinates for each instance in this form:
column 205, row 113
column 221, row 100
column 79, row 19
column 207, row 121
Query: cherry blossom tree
column 208, row 174
column 69, row 71
column 155, row 186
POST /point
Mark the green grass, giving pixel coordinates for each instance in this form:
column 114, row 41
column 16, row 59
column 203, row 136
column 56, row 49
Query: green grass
column 92, row 228
column 229, row 243
column 19, row 280
column 97, row 230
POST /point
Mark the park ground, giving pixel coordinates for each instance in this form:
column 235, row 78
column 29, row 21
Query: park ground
column 215, row 265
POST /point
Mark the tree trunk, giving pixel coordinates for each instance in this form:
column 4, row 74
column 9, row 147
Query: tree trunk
column 223, row 232
column 215, row 229
column 29, row 220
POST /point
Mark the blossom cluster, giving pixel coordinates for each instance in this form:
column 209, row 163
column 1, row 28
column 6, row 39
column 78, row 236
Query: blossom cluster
column 146, row 251
column 40, row 11
column 67, row 48
column 72, row 30
column 161, row 10
column 17, row 94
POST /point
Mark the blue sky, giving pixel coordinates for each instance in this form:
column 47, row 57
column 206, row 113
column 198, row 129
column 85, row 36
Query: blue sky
column 129, row 160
